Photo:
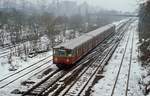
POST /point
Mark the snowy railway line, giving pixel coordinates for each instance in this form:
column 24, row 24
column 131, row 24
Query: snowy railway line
column 81, row 80
column 4, row 54
column 6, row 50
column 44, row 86
column 7, row 80
column 127, row 75
column 122, row 74
column 11, row 50
column 43, row 78
column 75, row 82
column 56, row 79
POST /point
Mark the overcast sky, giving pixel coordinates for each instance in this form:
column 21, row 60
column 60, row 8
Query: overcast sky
column 120, row 5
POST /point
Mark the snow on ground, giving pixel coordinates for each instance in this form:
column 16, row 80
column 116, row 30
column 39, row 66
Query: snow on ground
column 122, row 79
column 104, row 85
column 135, row 76
column 20, row 64
column 17, row 84
column 119, row 22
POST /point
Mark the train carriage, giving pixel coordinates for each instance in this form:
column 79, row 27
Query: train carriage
column 67, row 54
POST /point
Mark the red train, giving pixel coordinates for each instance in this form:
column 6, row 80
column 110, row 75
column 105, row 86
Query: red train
column 68, row 53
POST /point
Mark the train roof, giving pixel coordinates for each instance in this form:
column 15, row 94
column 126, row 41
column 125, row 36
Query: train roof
column 82, row 39
column 100, row 30
column 74, row 42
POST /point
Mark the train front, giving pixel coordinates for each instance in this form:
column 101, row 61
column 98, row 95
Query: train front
column 63, row 57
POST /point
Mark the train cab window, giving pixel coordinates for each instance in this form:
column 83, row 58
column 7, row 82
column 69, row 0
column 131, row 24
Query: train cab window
column 69, row 53
column 59, row 52
column 55, row 52
column 62, row 52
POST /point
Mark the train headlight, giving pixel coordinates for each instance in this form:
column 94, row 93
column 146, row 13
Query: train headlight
column 67, row 60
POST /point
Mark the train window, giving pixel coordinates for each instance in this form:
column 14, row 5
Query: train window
column 62, row 52
column 75, row 52
column 55, row 52
column 69, row 53
column 59, row 52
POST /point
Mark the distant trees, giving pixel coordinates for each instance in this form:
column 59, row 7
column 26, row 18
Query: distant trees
column 144, row 31
column 76, row 22
column 144, row 24
column 24, row 25
column 49, row 22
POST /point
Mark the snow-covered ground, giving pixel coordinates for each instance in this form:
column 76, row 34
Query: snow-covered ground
column 20, row 64
column 22, row 74
column 100, row 89
column 105, row 85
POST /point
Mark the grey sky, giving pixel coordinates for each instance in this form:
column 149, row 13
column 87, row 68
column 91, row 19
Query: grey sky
column 120, row 5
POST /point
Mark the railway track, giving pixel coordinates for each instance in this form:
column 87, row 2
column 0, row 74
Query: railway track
column 7, row 53
column 4, row 54
column 35, row 90
column 55, row 76
column 129, row 71
column 123, row 89
column 9, row 50
column 53, row 79
column 6, row 50
column 80, row 82
column 51, row 82
column 19, row 74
